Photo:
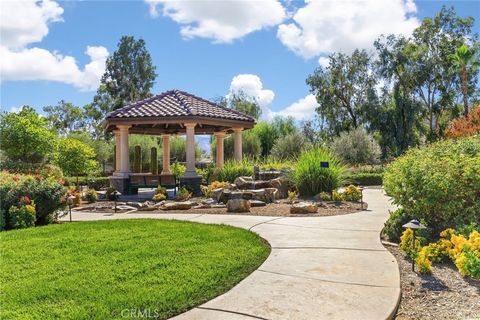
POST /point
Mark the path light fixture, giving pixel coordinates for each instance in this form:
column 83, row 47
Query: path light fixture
column 116, row 195
column 361, row 196
column 414, row 225
column 70, row 199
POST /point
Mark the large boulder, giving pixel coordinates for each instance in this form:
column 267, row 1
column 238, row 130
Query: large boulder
column 260, row 184
column 281, row 186
column 238, row 205
column 184, row 205
column 271, row 194
column 303, row 208
column 243, row 183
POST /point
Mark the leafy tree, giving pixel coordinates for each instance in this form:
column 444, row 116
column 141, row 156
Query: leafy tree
column 75, row 157
column 290, row 146
column 129, row 76
column 25, row 136
column 343, row 90
column 284, row 126
column 103, row 148
column 64, row 117
column 178, row 149
column 240, row 101
column 356, row 147
column 267, row 135
column 465, row 126
column 466, row 61
column 251, row 147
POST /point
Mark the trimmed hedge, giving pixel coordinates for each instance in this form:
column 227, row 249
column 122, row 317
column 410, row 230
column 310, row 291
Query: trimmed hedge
column 96, row 183
column 365, row 179
column 438, row 184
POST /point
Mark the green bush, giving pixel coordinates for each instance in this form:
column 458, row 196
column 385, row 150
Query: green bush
column 365, row 179
column 96, row 183
column 234, row 169
column 91, row 195
column 290, row 146
column 352, row 193
column 438, row 184
column 47, row 193
column 393, row 226
column 356, row 147
column 311, row 179
column 183, row 194
column 21, row 217
column 3, row 222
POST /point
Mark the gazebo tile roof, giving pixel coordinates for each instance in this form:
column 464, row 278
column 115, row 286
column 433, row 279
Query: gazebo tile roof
column 176, row 103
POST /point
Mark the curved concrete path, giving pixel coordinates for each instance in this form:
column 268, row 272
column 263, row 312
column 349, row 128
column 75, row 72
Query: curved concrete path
column 319, row 268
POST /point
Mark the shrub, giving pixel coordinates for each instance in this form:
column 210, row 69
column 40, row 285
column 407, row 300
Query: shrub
column 324, row 196
column 183, row 194
column 22, row 216
column 365, row 179
column 292, row 196
column 159, row 197
column 234, row 169
column 207, row 190
column 91, row 195
column 356, row 147
column 466, row 126
column 352, row 193
column 251, row 146
column 178, row 169
column 77, row 200
column 337, row 196
column 438, row 184
column 393, row 226
column 310, row 178
column 406, row 243
column 96, row 183
column 290, row 146
column 46, row 192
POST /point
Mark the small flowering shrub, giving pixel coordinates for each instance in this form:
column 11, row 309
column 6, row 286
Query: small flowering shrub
column 207, row 190
column 183, row 194
column 160, row 194
column 325, row 196
column 292, row 196
column 352, row 193
column 406, row 243
column 22, row 215
column 466, row 126
column 47, row 192
column 91, row 196
column 73, row 192
column 337, row 196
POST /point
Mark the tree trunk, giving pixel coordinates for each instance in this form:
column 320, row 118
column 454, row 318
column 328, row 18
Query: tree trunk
column 465, row 90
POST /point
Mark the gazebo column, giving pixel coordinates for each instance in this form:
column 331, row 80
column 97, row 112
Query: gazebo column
column 124, row 156
column 190, row 130
column 237, row 140
column 219, row 156
column 166, row 154
column 117, row 151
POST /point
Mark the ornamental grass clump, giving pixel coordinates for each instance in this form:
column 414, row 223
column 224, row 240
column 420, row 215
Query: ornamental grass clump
column 234, row 169
column 311, row 178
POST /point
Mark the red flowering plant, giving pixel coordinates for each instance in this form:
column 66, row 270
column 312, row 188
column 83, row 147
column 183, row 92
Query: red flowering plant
column 23, row 200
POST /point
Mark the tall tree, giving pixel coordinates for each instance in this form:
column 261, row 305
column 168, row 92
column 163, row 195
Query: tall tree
column 129, row 75
column 466, row 61
column 242, row 102
column 343, row 90
column 64, row 117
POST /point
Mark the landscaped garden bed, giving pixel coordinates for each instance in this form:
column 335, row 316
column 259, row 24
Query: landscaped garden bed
column 108, row 269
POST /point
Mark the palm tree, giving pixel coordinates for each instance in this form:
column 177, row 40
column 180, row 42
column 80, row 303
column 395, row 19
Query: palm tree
column 465, row 59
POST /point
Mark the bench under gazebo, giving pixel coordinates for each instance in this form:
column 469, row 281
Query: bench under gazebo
column 170, row 113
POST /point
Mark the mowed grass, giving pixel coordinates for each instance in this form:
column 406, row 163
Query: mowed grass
column 109, row 269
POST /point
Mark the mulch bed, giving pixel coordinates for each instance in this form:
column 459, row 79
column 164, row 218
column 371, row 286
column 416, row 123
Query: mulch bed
column 444, row 294
column 326, row 208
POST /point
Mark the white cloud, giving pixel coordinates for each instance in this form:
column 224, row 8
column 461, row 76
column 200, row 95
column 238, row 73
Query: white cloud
column 324, row 61
column 252, row 86
column 15, row 109
column 331, row 26
column 26, row 22
column 303, row 109
column 222, row 21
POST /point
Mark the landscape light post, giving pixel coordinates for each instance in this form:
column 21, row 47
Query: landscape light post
column 116, row 194
column 70, row 202
column 414, row 225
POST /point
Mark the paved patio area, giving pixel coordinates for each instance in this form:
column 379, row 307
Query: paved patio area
column 320, row 267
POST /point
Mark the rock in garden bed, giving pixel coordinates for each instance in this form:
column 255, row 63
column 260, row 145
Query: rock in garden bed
column 303, row 208
column 238, row 205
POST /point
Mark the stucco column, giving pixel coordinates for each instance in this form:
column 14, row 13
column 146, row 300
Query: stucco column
column 190, row 129
column 219, row 157
column 124, row 156
column 117, row 150
column 237, row 140
column 166, row 154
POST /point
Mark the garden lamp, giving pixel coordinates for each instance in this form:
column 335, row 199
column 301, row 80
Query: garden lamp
column 414, row 225
column 70, row 202
column 361, row 196
column 116, row 194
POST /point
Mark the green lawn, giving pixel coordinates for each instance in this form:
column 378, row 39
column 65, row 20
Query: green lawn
column 94, row 270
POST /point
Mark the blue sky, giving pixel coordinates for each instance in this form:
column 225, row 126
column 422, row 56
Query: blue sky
column 266, row 48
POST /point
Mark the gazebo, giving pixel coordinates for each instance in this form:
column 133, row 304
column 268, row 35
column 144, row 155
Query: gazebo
column 169, row 113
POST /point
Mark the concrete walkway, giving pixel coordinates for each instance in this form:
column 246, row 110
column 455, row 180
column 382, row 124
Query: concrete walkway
column 320, row 267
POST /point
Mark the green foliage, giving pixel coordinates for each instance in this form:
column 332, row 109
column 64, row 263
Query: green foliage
column 266, row 133
column 311, row 179
column 91, row 255
column 3, row 222
column 365, row 179
column 178, row 149
column 160, row 194
column 393, row 226
column 46, row 192
column 251, row 146
column 290, row 146
column 75, row 157
column 178, row 169
column 439, row 183
column 352, row 193
column 284, row 126
column 64, row 117
column 337, row 196
column 21, row 217
column 234, row 169
column 145, row 143
column 96, row 183
column 243, row 103
column 24, row 136
column 109, row 193
column 324, row 196
column 356, row 147
column 102, row 147
column 91, row 196
column 183, row 194
column 137, row 159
